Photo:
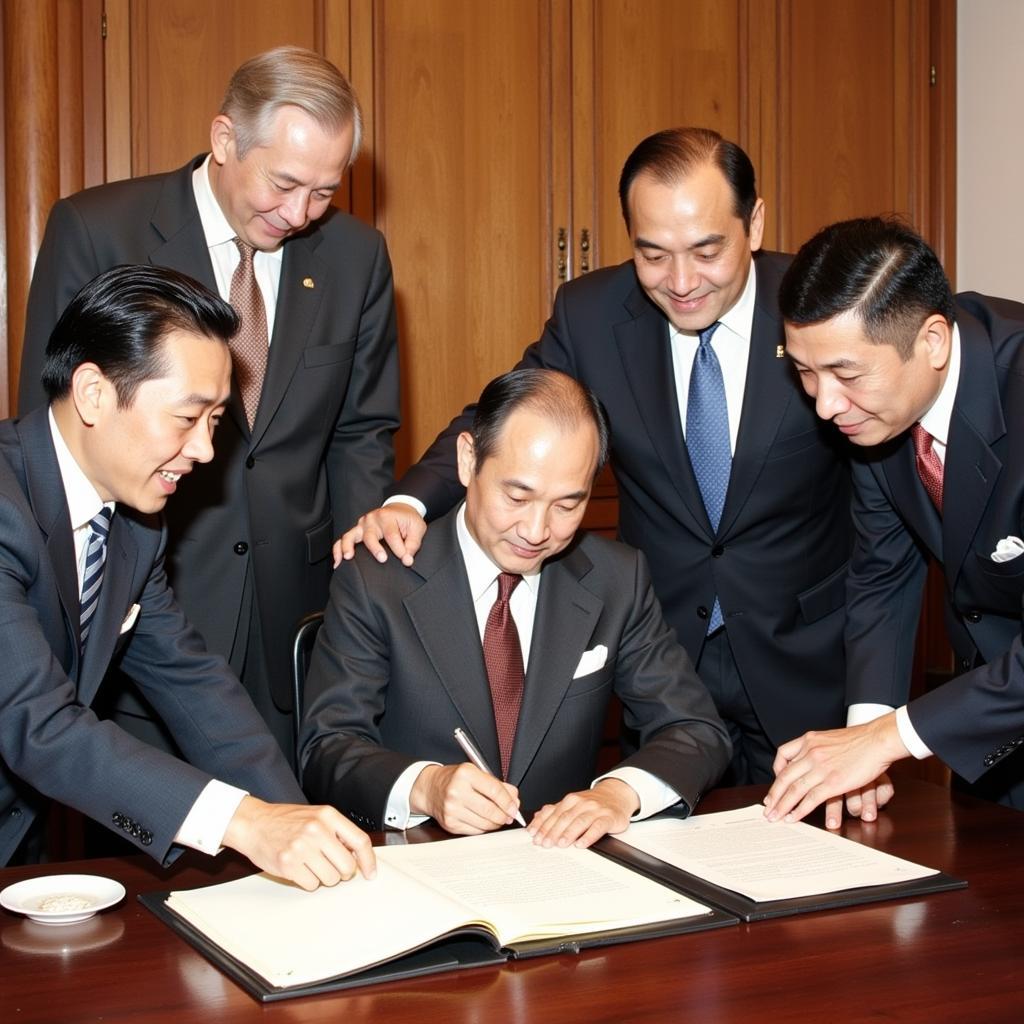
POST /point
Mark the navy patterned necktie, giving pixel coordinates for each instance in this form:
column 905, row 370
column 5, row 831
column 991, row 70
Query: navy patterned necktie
column 503, row 657
column 707, row 437
column 92, row 577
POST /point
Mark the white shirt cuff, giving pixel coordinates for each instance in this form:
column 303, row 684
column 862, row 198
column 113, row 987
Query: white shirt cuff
column 204, row 826
column 397, row 813
column 858, row 714
column 654, row 794
column 908, row 734
column 408, row 499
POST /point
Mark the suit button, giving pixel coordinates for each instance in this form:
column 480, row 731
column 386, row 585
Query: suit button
column 717, row 551
column 250, row 462
column 15, row 812
column 965, row 664
column 241, row 547
column 972, row 616
column 989, row 761
column 146, row 838
column 702, row 612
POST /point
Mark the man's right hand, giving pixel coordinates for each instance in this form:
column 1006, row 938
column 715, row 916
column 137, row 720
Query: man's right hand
column 462, row 799
column 398, row 525
column 310, row 846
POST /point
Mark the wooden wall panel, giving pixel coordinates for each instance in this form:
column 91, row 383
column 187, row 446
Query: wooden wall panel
column 182, row 55
column 655, row 64
column 462, row 182
column 850, row 115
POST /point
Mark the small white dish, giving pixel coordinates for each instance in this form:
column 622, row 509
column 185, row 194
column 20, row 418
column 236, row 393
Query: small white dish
column 61, row 899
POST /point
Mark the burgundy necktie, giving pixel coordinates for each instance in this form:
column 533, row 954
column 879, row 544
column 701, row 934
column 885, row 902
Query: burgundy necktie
column 504, row 660
column 249, row 345
column 929, row 466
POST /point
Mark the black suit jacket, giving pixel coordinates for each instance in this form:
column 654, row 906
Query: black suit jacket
column 398, row 665
column 51, row 744
column 320, row 451
column 778, row 560
column 977, row 720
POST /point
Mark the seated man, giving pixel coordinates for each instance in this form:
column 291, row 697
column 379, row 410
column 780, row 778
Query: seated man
column 399, row 663
column 137, row 372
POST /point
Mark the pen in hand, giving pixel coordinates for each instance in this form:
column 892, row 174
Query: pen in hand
column 476, row 758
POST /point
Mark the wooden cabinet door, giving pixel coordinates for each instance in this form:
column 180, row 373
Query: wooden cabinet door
column 463, row 177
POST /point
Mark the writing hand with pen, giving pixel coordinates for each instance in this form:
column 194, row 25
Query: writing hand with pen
column 465, row 799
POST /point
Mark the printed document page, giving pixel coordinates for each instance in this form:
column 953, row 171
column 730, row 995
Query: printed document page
column 422, row 892
column 741, row 850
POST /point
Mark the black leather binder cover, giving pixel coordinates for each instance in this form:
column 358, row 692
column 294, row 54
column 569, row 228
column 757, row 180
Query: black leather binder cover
column 747, row 909
column 464, row 949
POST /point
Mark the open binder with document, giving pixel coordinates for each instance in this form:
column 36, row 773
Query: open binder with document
column 481, row 900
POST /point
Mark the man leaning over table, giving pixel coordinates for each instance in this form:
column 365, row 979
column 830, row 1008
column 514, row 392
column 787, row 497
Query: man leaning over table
column 733, row 489
column 138, row 373
column 518, row 629
column 931, row 388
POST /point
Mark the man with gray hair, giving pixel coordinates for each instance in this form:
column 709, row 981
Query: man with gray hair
column 306, row 444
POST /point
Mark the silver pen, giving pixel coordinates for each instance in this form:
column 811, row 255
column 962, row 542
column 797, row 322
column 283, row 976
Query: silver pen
column 477, row 758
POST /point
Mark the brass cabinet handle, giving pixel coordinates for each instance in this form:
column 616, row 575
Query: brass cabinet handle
column 584, row 251
column 561, row 245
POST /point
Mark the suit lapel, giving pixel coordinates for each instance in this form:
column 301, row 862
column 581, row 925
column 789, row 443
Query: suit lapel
column 297, row 306
column 441, row 612
column 909, row 496
column 566, row 617
column 646, row 354
column 768, row 390
column 972, row 468
column 45, row 491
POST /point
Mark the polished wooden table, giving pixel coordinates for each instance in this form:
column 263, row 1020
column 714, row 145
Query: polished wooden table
column 956, row 956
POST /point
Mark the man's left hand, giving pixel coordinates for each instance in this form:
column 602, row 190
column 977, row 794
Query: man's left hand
column 580, row 819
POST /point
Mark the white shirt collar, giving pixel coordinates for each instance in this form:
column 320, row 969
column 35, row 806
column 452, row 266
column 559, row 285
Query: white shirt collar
column 938, row 418
column 83, row 499
column 216, row 229
column 480, row 570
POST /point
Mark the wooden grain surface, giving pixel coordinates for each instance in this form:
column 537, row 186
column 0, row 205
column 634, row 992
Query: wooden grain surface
column 949, row 957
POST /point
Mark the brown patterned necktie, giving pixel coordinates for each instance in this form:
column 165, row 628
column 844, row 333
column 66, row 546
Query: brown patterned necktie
column 504, row 660
column 929, row 465
column 249, row 345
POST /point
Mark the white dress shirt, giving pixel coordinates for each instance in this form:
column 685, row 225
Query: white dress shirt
column 204, row 825
column 936, row 421
column 224, row 254
column 483, row 574
column 731, row 343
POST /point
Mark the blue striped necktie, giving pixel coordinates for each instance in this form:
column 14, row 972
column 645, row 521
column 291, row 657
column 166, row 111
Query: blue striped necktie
column 92, row 577
column 707, row 437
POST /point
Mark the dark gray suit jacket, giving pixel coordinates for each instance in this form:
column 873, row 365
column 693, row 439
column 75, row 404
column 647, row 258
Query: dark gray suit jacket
column 320, row 452
column 974, row 722
column 51, row 744
column 778, row 560
column 398, row 665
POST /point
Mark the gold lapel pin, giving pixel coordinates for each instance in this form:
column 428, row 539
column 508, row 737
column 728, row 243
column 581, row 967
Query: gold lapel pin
column 307, row 282
column 780, row 351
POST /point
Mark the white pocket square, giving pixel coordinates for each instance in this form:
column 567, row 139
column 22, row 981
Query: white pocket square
column 1008, row 549
column 129, row 619
column 591, row 661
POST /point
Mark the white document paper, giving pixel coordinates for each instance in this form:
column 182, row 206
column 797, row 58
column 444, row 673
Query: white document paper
column 741, row 850
column 423, row 891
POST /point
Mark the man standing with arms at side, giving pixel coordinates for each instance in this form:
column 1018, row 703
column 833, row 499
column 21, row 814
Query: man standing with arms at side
column 931, row 387
column 727, row 482
column 138, row 373
column 306, row 444
column 516, row 629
